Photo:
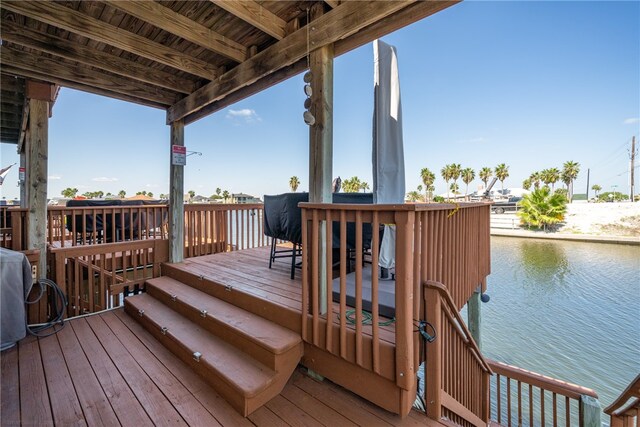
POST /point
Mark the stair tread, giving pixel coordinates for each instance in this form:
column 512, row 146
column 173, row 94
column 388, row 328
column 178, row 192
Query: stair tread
column 263, row 332
column 235, row 367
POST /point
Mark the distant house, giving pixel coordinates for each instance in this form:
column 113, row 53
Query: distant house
column 244, row 198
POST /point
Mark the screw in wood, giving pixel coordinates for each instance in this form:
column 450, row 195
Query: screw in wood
column 141, row 312
column 196, row 356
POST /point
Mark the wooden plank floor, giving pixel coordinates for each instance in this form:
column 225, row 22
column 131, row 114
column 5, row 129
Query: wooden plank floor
column 107, row 370
column 248, row 270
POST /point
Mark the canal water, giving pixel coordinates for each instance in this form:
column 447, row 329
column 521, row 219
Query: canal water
column 569, row 310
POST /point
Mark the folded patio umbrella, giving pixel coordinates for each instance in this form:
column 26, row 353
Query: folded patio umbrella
column 388, row 150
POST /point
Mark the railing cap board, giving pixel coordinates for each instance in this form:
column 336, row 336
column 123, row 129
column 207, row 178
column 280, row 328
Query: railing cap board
column 627, row 411
column 411, row 207
column 632, row 390
column 542, row 381
column 222, row 206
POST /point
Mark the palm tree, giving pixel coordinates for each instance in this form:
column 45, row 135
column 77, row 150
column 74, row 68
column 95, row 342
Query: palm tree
column 218, row 191
column 526, row 184
column 225, row 195
column 454, row 188
column 413, row 196
column 570, row 171
column 428, row 178
column 502, row 173
column 550, row 176
column 541, row 208
column 191, row 194
column 69, row 192
column 485, row 174
column 535, row 179
column 352, row 185
column 122, row 193
column 446, row 175
column 364, row 186
column 596, row 188
column 456, row 170
column 294, row 183
column 468, row 175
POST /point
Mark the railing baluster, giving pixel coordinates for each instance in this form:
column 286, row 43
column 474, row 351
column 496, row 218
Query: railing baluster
column 542, row 406
column 329, row 280
column 567, row 411
column 499, row 398
column 343, row 284
column 358, row 285
column 555, row 410
column 314, row 277
column 530, row 405
column 375, row 318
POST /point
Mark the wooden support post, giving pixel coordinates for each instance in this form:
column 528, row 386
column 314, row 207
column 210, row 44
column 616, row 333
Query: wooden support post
column 37, row 149
column 589, row 412
column 433, row 364
column 474, row 316
column 176, row 197
column 321, row 140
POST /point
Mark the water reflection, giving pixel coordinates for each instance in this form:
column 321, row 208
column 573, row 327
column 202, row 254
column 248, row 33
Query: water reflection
column 543, row 264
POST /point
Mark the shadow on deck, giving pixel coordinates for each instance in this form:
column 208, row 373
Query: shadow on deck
column 106, row 369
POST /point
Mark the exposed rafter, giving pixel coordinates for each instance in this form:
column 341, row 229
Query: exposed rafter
column 57, row 70
column 181, row 26
column 256, row 15
column 57, row 46
column 86, row 26
column 345, row 20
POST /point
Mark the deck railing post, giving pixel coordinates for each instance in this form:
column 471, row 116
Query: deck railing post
column 433, row 355
column 589, row 412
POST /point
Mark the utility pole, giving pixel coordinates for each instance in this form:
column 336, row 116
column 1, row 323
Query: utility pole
column 588, row 172
column 633, row 158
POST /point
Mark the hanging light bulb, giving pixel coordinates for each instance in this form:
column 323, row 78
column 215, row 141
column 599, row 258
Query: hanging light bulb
column 307, row 90
column 309, row 118
column 308, row 76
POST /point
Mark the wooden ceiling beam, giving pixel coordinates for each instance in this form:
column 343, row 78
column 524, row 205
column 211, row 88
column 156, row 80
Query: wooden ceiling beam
column 341, row 22
column 333, row 3
column 92, row 28
column 63, row 48
column 181, row 26
column 83, row 87
column 59, row 70
column 255, row 14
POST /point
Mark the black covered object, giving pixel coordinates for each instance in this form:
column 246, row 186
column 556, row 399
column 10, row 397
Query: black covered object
column 100, row 222
column 283, row 217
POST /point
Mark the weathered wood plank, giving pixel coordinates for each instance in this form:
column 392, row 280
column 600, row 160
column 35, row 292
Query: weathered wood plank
column 290, row 413
column 64, row 401
column 83, row 87
column 148, row 394
column 86, row 26
column 75, row 52
column 9, row 388
column 346, row 19
column 256, row 15
column 176, row 197
column 190, row 409
column 175, row 23
column 36, row 180
column 406, row 16
column 95, row 405
column 59, row 69
column 33, row 387
column 120, row 396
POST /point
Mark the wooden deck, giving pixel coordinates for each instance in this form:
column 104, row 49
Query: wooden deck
column 107, row 370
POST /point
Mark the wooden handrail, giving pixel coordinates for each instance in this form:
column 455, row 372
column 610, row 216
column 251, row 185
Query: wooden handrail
column 563, row 388
column 451, row 306
column 632, row 390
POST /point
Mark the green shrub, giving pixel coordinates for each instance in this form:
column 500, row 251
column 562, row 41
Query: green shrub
column 541, row 208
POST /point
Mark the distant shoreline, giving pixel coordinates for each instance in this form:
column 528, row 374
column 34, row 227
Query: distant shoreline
column 620, row 240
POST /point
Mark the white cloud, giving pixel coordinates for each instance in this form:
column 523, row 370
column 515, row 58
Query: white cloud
column 104, row 179
column 54, row 177
column 151, row 185
column 631, row 121
column 247, row 115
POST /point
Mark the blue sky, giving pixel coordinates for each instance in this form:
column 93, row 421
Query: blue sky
column 529, row 84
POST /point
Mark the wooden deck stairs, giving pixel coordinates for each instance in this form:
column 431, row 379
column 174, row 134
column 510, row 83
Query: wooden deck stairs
column 246, row 358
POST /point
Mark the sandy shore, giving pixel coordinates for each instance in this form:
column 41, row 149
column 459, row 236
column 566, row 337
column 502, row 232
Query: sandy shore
column 615, row 222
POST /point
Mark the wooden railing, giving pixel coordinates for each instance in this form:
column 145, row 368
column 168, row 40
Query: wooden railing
column 445, row 242
column 625, row 410
column 98, row 277
column 13, row 228
column 520, row 397
column 457, row 375
column 212, row 228
column 71, row 226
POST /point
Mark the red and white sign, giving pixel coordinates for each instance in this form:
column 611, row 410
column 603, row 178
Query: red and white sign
column 178, row 155
column 21, row 174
